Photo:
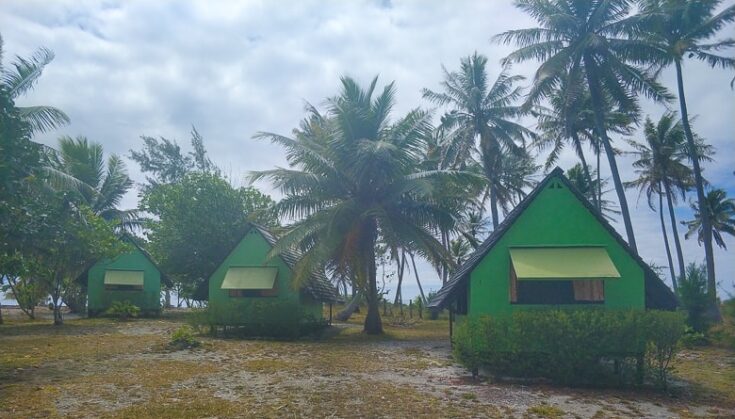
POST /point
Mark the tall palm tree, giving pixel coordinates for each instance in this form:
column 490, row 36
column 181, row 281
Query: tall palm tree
column 485, row 112
column 722, row 210
column 662, row 170
column 20, row 78
column 587, row 40
column 355, row 181
column 679, row 29
column 103, row 185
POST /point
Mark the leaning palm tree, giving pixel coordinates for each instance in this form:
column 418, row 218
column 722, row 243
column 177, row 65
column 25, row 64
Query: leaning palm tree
column 354, row 182
column 482, row 118
column 662, row 170
column 587, row 40
column 722, row 210
column 679, row 29
column 103, row 185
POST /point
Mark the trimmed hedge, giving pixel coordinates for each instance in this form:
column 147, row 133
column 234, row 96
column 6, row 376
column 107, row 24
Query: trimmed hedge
column 268, row 318
column 575, row 347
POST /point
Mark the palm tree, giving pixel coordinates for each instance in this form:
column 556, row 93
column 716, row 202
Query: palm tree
column 662, row 170
column 20, row 78
column 587, row 40
column 459, row 249
column 104, row 185
column 354, row 182
column 722, row 210
column 578, row 177
column 484, row 111
column 677, row 29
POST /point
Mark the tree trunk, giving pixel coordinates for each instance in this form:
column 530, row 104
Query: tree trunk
column 494, row 207
column 1, row 312
column 585, row 168
column 401, row 270
column 444, row 266
column 666, row 240
column 28, row 309
column 353, row 305
column 418, row 282
column 599, row 182
column 599, row 111
column 677, row 243
column 701, row 199
column 373, row 324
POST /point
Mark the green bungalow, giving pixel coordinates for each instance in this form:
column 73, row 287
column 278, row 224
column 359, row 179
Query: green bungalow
column 131, row 276
column 553, row 250
column 248, row 287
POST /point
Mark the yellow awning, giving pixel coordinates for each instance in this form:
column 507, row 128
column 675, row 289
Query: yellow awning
column 562, row 263
column 250, row 278
column 118, row 277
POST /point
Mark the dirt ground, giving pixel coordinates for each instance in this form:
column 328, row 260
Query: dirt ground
column 105, row 368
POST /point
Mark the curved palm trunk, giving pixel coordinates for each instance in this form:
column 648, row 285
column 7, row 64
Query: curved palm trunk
column 588, row 177
column 677, row 242
column 597, row 104
column 350, row 309
column 401, row 270
column 599, row 182
column 418, row 282
column 701, row 199
column 666, row 240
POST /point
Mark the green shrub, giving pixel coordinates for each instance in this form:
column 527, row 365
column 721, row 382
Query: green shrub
column 183, row 338
column 123, row 310
column 693, row 339
column 692, row 292
column 262, row 318
column 585, row 346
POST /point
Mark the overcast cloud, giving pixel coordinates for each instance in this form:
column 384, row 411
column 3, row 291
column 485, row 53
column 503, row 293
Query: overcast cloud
column 131, row 68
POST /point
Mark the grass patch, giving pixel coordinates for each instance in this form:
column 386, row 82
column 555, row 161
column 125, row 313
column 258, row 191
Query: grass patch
column 545, row 411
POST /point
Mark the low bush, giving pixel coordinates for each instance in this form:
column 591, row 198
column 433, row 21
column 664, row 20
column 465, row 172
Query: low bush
column 123, row 310
column 585, row 346
column 183, row 338
column 693, row 339
column 262, row 318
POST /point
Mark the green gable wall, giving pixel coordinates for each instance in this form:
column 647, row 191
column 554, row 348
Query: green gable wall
column 554, row 218
column 253, row 251
column 149, row 299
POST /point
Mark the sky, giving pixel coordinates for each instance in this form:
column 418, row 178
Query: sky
column 129, row 68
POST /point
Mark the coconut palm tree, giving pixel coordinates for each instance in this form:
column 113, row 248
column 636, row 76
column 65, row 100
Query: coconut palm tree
column 355, row 182
column 587, row 40
column 19, row 78
column 722, row 210
column 662, row 170
column 482, row 120
column 103, row 185
column 578, row 178
column 678, row 29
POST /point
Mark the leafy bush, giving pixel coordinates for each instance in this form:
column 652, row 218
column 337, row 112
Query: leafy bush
column 123, row 310
column 692, row 339
column 265, row 318
column 586, row 346
column 692, row 291
column 183, row 338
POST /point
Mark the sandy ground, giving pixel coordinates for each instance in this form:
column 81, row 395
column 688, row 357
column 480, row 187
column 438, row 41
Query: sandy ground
column 105, row 368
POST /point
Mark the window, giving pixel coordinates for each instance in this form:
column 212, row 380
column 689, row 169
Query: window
column 123, row 287
column 548, row 291
column 251, row 281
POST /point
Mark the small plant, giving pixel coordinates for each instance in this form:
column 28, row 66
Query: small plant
column 183, row 338
column 546, row 411
column 693, row 339
column 692, row 293
column 123, row 310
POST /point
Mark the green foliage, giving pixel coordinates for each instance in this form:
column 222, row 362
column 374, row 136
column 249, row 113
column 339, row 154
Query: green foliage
column 198, row 220
column 722, row 213
column 693, row 297
column 183, row 338
column 123, row 310
column 262, row 318
column 593, row 347
column 692, row 339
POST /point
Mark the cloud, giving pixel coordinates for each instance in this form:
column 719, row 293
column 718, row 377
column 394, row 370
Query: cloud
column 130, row 68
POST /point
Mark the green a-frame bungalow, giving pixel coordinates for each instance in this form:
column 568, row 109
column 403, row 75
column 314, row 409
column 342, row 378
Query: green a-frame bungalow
column 132, row 276
column 248, row 282
column 554, row 250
